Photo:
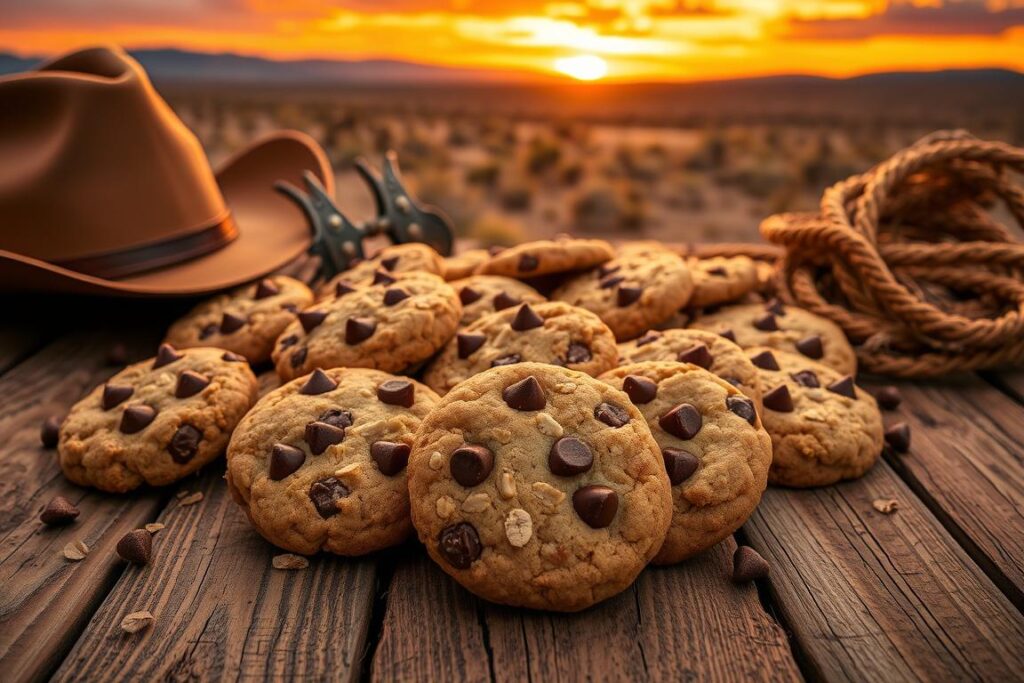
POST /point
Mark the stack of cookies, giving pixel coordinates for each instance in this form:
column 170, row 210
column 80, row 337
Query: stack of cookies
column 548, row 418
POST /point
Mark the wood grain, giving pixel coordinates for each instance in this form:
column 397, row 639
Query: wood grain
column 882, row 597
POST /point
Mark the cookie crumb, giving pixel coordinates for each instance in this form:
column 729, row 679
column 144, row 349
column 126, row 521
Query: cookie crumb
column 445, row 507
column 477, row 502
column 506, row 485
column 137, row 621
column 76, row 550
column 547, row 493
column 191, row 499
column 350, row 471
column 565, row 387
column 501, row 435
column 154, row 527
column 518, row 527
column 436, row 461
column 886, row 506
column 289, row 561
column 548, row 426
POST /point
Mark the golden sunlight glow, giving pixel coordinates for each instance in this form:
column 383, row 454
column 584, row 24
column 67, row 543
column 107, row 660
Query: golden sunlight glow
column 582, row 67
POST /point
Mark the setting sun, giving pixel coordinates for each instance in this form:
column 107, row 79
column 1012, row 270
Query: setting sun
column 582, row 67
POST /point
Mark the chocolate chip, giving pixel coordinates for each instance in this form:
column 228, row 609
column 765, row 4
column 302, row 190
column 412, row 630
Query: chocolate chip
column 208, row 331
column 49, row 433
column 639, row 389
column 468, row 295
column 628, row 295
column 748, row 565
column 743, row 407
column 683, row 421
column 679, row 464
column 844, row 387
column 299, row 357
column 806, row 378
column 898, row 437
column 765, row 360
column 232, row 357
column 811, row 347
column 320, row 436
column 648, row 338
column 136, row 418
column 698, row 354
column 528, row 262
column 766, row 323
column 596, row 505
column 718, row 271
column 459, row 545
column 265, row 288
column 359, row 329
column 58, row 512
column 471, row 464
column 569, row 456
column 290, row 340
column 311, row 319
column 775, row 306
column 503, row 300
column 337, row 418
column 611, row 414
column 397, row 392
column 291, row 308
column 778, row 399
column 612, row 281
column 525, row 395
column 606, row 270
column 382, row 278
column 325, row 495
column 183, row 445
column 577, row 353
column 390, row 262
column 889, row 397
column 164, row 355
column 190, row 383
column 394, row 296
column 230, row 322
column 318, row 383
column 341, row 288
column 136, row 546
column 117, row 354
column 468, row 343
column 391, row 457
column 510, row 359
column 728, row 334
column 526, row 319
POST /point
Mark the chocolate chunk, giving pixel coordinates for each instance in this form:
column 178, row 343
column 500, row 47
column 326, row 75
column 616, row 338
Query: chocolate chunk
column 683, row 421
column 806, row 378
column 459, row 545
column 136, row 418
column 382, row 278
column 397, row 392
column 325, row 495
column 596, row 505
column 888, row 398
column 341, row 288
column 290, row 340
column 606, row 269
column 525, row 395
column 765, row 360
column 136, row 546
column 742, row 406
column 471, row 464
column 299, row 357
column 717, row 271
column 778, row 399
column 775, row 306
column 389, row 263
column 639, row 389
column 844, row 387
column 648, row 338
column 190, row 383
column 49, row 433
column 811, row 347
column 569, row 456
column 311, row 319
column 528, row 262
column 230, row 322
column 728, row 334
column 510, row 359
column 611, row 414
column 747, row 565
column 468, row 295
column 183, row 445
column 394, row 296
column 468, row 343
column 318, row 383
column 526, row 319
column 117, row 354
column 265, row 288
column 628, row 295
column 503, row 300
column 391, row 457
column 698, row 354
column 359, row 329
column 898, row 437
column 58, row 512
column 164, row 355
column 232, row 357
column 679, row 464
column 766, row 323
column 337, row 418
column 577, row 353
column 208, row 331
column 320, row 436
column 612, row 281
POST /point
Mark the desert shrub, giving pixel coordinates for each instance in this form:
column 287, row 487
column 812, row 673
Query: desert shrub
column 541, row 156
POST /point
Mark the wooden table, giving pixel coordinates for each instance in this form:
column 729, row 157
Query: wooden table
column 933, row 591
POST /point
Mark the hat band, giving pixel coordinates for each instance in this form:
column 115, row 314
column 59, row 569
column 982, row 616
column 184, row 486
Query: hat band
column 135, row 260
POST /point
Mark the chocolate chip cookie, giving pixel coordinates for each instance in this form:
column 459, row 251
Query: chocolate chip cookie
column 784, row 327
column 156, row 421
column 552, row 332
column 714, row 448
column 485, row 294
column 708, row 350
column 719, row 280
column 246, row 320
column 464, row 264
column 391, row 326
column 399, row 258
column 633, row 292
column 538, row 486
column 823, row 427
column 320, row 463
column 545, row 257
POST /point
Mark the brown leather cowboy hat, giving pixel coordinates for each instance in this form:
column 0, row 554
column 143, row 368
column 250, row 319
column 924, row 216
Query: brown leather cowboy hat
column 103, row 190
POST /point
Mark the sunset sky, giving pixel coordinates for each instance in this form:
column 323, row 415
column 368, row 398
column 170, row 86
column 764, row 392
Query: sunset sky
column 630, row 40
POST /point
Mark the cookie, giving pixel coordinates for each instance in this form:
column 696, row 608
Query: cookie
column 552, row 332
column 399, row 258
column 545, row 257
column 708, row 350
column 823, row 427
column 246, row 320
column 156, row 421
column 719, row 280
column 390, row 326
column 631, row 293
column 784, row 327
column 715, row 450
column 464, row 264
column 538, row 486
column 485, row 294
column 320, row 464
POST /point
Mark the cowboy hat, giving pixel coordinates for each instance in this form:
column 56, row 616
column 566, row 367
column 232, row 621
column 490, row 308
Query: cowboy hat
column 103, row 190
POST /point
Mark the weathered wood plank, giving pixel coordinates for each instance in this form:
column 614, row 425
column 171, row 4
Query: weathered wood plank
column 882, row 597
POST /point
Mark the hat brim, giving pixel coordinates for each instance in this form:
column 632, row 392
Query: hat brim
column 272, row 230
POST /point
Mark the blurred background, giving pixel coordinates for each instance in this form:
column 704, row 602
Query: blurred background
column 638, row 119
